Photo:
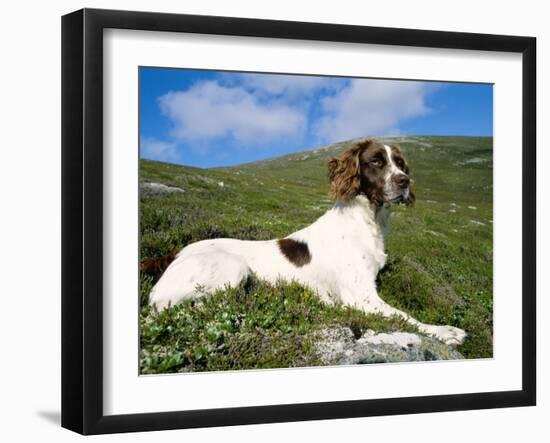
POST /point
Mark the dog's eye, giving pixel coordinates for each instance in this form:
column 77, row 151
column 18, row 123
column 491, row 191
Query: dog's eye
column 376, row 163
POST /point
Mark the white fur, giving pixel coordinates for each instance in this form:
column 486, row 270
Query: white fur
column 393, row 169
column 347, row 251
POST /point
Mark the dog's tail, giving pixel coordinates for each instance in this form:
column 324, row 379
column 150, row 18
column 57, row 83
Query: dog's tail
column 156, row 266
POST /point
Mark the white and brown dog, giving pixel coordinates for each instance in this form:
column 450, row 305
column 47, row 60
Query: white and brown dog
column 338, row 256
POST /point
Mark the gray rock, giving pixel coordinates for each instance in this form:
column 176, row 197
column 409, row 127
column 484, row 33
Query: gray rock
column 153, row 189
column 338, row 346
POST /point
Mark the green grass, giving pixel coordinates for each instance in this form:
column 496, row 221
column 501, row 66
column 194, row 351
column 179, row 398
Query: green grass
column 246, row 327
column 439, row 256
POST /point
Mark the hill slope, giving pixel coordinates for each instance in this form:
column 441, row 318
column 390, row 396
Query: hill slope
column 440, row 252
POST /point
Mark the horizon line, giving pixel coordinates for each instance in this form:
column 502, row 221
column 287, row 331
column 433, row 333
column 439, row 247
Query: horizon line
column 314, row 148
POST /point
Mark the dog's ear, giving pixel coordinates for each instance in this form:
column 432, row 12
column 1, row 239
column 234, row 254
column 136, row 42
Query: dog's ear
column 332, row 166
column 412, row 197
column 344, row 173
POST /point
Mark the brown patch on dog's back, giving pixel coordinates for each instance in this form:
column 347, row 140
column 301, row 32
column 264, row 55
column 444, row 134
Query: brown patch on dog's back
column 295, row 251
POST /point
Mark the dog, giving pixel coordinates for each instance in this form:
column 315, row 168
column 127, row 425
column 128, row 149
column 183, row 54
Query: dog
column 338, row 256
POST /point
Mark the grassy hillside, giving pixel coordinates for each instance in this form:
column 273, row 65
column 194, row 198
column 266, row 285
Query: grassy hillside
column 439, row 254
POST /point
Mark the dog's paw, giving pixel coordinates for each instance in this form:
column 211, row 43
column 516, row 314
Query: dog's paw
column 449, row 335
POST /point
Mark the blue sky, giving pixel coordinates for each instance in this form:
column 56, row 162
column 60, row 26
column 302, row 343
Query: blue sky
column 211, row 118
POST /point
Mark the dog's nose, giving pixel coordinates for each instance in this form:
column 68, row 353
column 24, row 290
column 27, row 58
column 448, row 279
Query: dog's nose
column 401, row 180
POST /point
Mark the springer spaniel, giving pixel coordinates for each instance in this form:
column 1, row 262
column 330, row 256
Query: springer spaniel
column 338, row 256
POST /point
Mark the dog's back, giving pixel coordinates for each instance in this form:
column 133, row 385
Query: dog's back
column 203, row 266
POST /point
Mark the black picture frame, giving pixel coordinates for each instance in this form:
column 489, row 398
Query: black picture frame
column 82, row 218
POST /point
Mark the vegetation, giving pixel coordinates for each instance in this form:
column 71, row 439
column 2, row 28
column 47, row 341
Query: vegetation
column 439, row 255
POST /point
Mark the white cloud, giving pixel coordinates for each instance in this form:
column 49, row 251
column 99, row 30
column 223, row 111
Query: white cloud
column 208, row 111
column 154, row 149
column 370, row 107
column 291, row 86
column 255, row 110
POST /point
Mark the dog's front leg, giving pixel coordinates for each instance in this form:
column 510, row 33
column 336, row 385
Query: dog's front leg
column 447, row 334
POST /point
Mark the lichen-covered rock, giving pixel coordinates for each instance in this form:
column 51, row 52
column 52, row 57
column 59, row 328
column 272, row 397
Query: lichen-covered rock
column 338, row 346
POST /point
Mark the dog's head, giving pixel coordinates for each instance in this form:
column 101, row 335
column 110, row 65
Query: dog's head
column 376, row 170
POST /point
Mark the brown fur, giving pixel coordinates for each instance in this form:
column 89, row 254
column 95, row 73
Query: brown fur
column 296, row 252
column 156, row 266
column 401, row 163
column 350, row 174
column 343, row 172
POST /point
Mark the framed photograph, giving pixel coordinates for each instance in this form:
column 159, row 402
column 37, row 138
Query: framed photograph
column 268, row 221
